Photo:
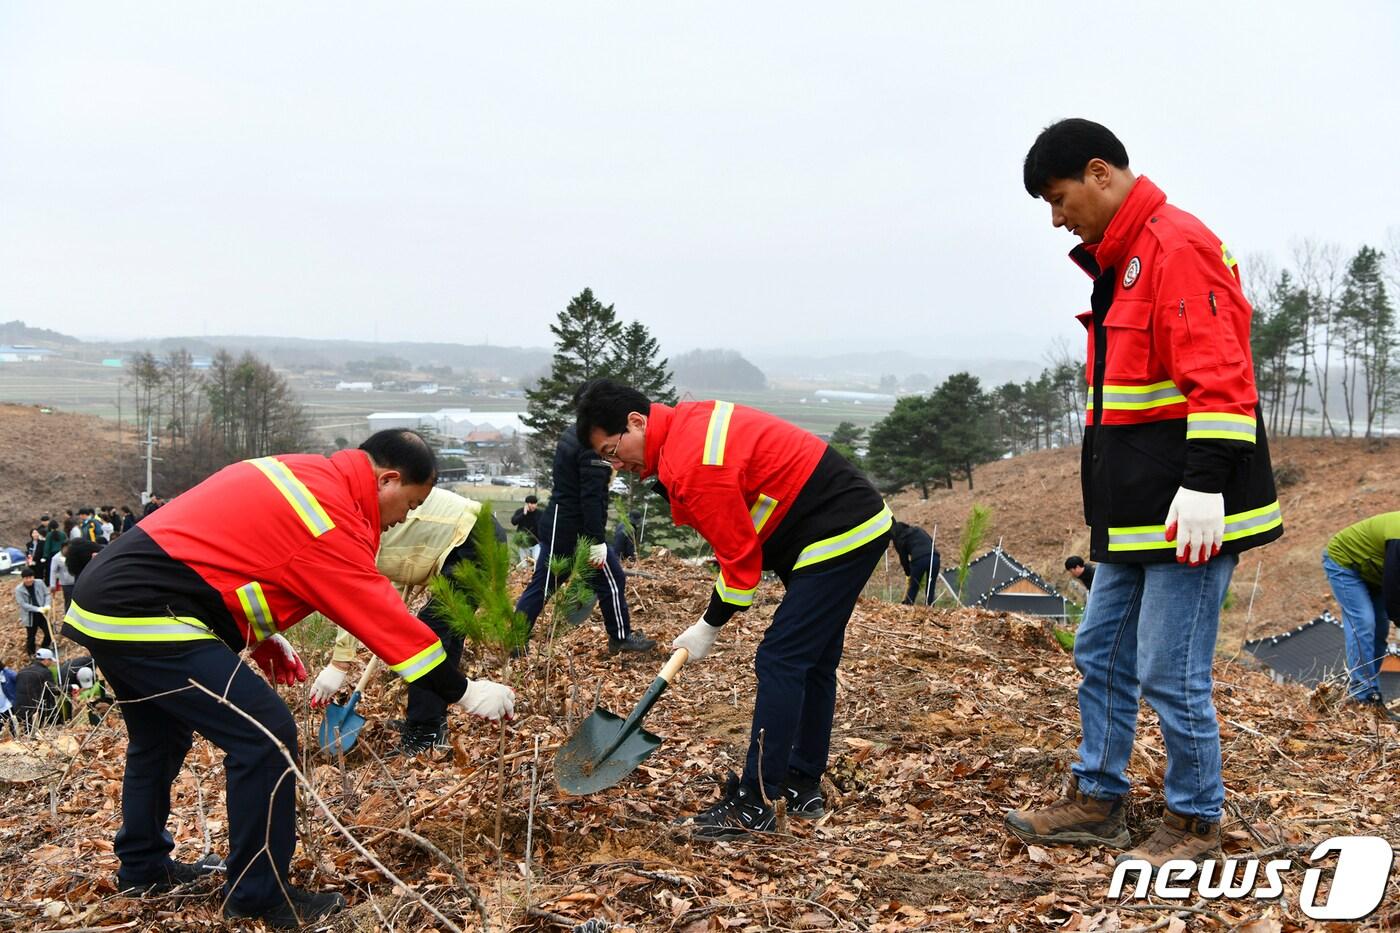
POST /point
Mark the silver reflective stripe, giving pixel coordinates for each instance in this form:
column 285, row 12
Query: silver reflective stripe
column 1157, row 395
column 429, row 661
column 863, row 533
column 291, row 487
column 1198, row 426
column 1152, row 538
column 1245, row 524
column 173, row 627
column 717, row 432
column 263, row 626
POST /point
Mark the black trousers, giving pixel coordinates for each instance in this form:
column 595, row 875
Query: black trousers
column 425, row 707
column 923, row 577
column 608, row 581
column 162, row 712
column 796, row 667
column 38, row 622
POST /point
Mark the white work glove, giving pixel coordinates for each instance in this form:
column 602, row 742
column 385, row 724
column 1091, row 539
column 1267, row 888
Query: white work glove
column 698, row 639
column 326, row 685
column 488, row 699
column 1196, row 522
column 597, row 554
column 279, row 661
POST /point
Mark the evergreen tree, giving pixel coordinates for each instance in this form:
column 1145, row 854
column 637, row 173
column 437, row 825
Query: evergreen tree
column 963, row 420
column 905, row 448
column 639, row 364
column 846, row 438
column 1368, row 323
column 587, row 335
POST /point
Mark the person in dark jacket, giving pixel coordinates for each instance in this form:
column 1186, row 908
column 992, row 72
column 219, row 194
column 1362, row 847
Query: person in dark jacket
column 1081, row 571
column 36, row 691
column 624, row 541
column 527, row 517
column 920, row 561
column 578, row 512
column 128, row 521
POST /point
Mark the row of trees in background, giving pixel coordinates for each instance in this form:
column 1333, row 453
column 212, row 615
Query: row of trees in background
column 590, row 342
column 205, row 419
column 932, row 440
column 1324, row 340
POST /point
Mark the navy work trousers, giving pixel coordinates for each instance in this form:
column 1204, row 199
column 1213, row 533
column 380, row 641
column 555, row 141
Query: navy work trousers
column 425, row 706
column 162, row 711
column 608, row 581
column 796, row 668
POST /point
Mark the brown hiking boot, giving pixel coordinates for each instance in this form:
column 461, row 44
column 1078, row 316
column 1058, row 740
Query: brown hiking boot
column 1183, row 837
column 1074, row 820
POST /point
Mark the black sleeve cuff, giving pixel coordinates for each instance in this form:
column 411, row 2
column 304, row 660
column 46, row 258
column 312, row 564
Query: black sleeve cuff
column 1210, row 463
column 444, row 680
column 719, row 611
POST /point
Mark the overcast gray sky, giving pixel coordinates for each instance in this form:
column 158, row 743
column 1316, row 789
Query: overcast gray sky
column 805, row 177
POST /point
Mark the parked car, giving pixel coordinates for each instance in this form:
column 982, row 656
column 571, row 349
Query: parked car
column 499, row 481
column 11, row 560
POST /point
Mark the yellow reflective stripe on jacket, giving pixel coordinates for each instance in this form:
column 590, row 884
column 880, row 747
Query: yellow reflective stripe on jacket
column 297, row 495
column 1153, row 537
column 1138, row 398
column 422, row 662
column 140, row 628
column 255, row 607
column 1227, row 427
column 762, row 511
column 1227, row 257
column 734, row 597
column 846, row 541
column 717, row 433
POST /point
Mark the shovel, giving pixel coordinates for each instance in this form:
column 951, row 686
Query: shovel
column 606, row 748
column 342, row 724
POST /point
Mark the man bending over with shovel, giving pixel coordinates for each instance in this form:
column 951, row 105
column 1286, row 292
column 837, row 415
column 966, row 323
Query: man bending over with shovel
column 168, row 606
column 766, row 495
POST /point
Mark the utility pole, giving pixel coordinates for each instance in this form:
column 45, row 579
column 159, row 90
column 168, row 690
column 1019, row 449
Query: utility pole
column 150, row 448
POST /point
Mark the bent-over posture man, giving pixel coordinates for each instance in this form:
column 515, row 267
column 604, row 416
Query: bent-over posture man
column 1176, row 479
column 230, row 564
column 766, row 495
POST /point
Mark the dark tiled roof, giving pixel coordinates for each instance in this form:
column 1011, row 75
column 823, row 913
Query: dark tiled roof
column 995, row 570
column 1309, row 654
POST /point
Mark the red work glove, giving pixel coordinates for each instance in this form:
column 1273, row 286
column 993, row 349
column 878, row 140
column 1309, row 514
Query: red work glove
column 279, row 661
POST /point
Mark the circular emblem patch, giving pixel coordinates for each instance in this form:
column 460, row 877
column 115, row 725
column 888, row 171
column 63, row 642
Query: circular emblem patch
column 1131, row 276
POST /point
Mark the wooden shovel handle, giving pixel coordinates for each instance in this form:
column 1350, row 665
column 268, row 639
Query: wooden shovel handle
column 370, row 670
column 674, row 664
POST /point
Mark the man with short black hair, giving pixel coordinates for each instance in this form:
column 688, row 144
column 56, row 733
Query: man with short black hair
column 179, row 596
column 1081, row 571
column 32, row 597
column 766, row 495
column 1176, row 481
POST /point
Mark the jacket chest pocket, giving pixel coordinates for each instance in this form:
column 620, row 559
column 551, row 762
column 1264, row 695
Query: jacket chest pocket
column 1203, row 331
column 1128, row 355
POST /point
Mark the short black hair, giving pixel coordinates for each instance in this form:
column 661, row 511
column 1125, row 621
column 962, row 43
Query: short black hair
column 403, row 450
column 26, row 572
column 605, row 404
column 1072, row 561
column 533, row 499
column 1064, row 149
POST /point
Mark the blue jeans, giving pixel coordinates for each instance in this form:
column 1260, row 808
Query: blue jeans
column 1149, row 633
column 1365, row 625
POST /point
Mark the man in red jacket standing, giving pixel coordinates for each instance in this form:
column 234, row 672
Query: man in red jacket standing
column 1176, row 481
column 231, row 563
column 766, row 495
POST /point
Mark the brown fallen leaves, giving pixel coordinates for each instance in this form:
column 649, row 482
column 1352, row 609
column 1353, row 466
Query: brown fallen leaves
column 939, row 732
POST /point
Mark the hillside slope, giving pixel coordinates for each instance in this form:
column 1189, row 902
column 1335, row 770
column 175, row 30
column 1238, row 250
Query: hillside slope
column 1324, row 485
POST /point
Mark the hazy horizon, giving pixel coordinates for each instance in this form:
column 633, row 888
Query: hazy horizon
column 809, row 180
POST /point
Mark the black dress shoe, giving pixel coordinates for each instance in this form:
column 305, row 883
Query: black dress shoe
column 297, row 908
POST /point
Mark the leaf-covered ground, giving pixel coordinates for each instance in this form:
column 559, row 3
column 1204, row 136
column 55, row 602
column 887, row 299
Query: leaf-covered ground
column 945, row 721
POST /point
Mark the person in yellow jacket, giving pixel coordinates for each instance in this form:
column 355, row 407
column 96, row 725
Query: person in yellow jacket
column 431, row 540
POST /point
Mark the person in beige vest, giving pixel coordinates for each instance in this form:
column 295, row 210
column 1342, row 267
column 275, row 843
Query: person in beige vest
column 430, row 541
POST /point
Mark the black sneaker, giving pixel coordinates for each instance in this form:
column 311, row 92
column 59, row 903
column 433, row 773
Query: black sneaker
column 804, row 797
column 636, row 641
column 289, row 913
column 421, row 737
column 741, row 810
column 1375, row 705
column 175, row 875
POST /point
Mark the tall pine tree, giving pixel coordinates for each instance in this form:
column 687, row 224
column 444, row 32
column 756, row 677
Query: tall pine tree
column 587, row 334
column 640, row 365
